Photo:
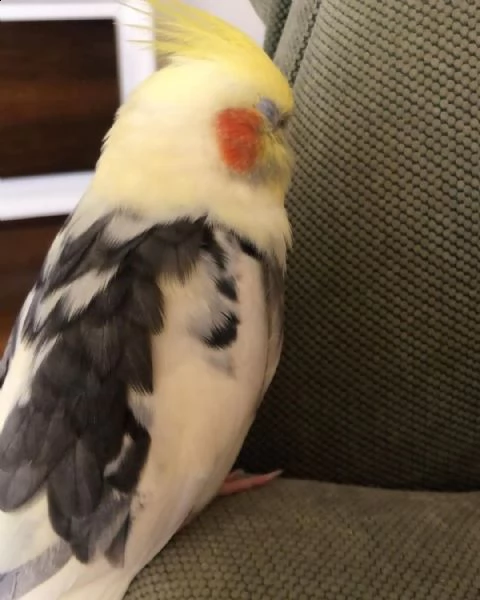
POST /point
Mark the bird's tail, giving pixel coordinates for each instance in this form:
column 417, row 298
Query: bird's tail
column 19, row 581
column 75, row 581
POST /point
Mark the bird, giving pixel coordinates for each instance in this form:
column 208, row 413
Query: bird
column 141, row 355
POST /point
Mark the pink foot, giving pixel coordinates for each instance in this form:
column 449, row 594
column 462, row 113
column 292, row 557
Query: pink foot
column 239, row 481
column 236, row 482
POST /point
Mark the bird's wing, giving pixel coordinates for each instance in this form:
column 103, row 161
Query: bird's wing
column 13, row 340
column 273, row 278
column 66, row 428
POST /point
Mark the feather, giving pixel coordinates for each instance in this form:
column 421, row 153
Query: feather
column 13, row 339
column 182, row 31
column 80, row 442
column 78, row 394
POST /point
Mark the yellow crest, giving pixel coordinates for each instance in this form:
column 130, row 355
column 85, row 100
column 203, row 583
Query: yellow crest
column 184, row 31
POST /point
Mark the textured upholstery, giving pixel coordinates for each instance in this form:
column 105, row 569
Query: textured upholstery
column 380, row 379
column 380, row 382
column 308, row 541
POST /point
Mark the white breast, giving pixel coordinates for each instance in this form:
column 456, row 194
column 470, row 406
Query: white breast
column 203, row 404
column 205, row 399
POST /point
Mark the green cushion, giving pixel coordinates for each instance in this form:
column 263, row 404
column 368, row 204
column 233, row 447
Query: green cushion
column 300, row 540
column 380, row 378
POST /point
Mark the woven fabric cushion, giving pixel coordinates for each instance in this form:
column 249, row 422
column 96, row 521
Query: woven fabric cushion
column 301, row 540
column 380, row 378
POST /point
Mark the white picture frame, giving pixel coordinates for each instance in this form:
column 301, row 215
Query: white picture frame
column 57, row 194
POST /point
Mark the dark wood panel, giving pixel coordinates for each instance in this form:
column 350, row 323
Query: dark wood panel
column 58, row 94
column 23, row 247
column 7, row 319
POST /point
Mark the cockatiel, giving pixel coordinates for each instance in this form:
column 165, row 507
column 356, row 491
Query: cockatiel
column 138, row 361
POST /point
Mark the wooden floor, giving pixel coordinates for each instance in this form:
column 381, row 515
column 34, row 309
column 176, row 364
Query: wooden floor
column 23, row 246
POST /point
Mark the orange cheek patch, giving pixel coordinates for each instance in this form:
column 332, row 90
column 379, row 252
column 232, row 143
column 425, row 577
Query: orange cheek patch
column 239, row 138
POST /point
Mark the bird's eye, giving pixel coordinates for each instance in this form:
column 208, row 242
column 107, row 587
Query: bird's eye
column 269, row 110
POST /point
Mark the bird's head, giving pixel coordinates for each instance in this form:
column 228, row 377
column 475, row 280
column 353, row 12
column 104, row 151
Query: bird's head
column 206, row 132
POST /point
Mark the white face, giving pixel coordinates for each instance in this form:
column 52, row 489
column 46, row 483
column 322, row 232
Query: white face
column 172, row 130
column 164, row 156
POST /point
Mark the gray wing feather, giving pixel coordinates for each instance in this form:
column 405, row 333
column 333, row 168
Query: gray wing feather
column 273, row 273
column 17, row 583
column 90, row 318
column 13, row 339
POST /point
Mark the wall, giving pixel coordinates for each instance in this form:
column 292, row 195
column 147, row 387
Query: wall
column 238, row 12
column 25, row 197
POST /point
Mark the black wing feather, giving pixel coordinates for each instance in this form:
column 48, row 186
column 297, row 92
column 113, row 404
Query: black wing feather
column 76, row 417
column 13, row 340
